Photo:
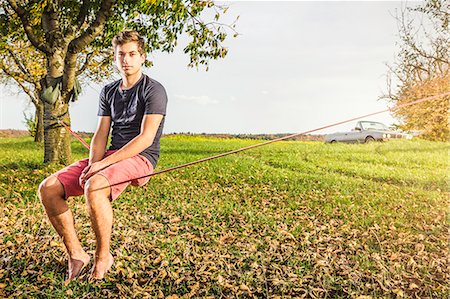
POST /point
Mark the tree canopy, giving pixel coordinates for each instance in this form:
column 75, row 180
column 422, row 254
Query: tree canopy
column 49, row 42
column 422, row 69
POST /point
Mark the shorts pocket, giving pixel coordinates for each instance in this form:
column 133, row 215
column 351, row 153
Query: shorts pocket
column 147, row 169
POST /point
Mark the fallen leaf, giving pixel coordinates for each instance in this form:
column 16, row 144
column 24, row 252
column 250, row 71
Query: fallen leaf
column 243, row 287
column 175, row 220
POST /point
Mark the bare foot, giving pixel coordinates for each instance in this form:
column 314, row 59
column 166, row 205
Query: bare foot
column 76, row 265
column 101, row 266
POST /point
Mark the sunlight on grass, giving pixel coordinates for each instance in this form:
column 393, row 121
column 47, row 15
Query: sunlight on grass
column 290, row 219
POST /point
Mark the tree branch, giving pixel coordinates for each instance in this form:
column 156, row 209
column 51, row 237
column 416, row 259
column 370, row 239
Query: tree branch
column 78, row 44
column 19, row 64
column 81, row 17
column 24, row 88
column 82, row 13
column 85, row 64
column 35, row 41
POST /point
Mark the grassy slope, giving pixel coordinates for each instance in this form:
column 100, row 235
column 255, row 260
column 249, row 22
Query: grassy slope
column 289, row 219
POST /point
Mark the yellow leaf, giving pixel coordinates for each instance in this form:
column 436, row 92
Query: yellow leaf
column 157, row 260
column 162, row 273
column 399, row 293
column 54, row 244
column 420, row 247
column 243, row 287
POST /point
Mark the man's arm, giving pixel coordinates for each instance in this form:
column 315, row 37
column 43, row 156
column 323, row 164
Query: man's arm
column 149, row 128
column 98, row 145
column 100, row 139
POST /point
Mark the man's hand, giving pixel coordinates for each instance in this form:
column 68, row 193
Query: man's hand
column 90, row 170
column 149, row 128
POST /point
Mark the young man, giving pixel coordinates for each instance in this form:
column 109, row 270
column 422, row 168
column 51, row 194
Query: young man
column 135, row 106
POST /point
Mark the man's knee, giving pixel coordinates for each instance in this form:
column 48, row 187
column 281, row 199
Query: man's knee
column 50, row 189
column 51, row 193
column 97, row 185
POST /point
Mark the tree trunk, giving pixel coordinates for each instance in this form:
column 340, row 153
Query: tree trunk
column 39, row 135
column 56, row 137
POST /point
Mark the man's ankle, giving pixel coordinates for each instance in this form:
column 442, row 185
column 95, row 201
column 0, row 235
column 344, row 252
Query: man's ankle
column 77, row 254
column 103, row 256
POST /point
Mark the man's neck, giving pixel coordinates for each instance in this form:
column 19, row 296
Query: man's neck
column 129, row 81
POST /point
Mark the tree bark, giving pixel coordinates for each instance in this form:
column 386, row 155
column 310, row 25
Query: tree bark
column 39, row 135
column 56, row 138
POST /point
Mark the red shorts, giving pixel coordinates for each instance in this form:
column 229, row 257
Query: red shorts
column 126, row 170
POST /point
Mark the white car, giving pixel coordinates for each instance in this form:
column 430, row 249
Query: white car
column 367, row 131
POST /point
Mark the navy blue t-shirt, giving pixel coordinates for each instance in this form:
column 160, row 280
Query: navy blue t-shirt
column 127, row 108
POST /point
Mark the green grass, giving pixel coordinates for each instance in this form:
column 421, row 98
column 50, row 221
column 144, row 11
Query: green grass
column 290, row 219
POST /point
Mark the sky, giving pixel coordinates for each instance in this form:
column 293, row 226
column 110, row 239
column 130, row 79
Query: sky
column 294, row 67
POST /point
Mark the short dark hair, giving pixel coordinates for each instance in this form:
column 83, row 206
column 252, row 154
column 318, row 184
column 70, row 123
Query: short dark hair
column 127, row 36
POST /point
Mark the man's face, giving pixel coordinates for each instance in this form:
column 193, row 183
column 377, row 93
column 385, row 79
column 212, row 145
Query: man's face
column 128, row 59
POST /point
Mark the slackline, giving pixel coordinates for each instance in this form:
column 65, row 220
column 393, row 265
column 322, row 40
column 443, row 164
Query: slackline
column 259, row 144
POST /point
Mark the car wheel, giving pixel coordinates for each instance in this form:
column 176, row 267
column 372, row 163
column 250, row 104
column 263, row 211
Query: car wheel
column 333, row 141
column 369, row 139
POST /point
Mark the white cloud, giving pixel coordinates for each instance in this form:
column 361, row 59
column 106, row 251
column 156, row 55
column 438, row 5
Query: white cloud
column 201, row 100
column 264, row 92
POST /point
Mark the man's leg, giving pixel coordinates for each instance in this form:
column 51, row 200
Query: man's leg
column 51, row 193
column 98, row 193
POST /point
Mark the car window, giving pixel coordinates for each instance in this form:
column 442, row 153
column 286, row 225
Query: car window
column 368, row 125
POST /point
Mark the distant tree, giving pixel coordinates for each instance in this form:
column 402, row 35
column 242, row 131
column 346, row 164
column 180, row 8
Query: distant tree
column 25, row 67
column 50, row 47
column 30, row 122
column 422, row 69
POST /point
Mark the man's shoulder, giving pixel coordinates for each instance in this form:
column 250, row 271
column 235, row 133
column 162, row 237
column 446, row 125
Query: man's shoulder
column 112, row 85
column 108, row 88
column 151, row 83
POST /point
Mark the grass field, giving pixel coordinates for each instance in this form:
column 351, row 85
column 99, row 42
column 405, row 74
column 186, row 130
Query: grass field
column 288, row 220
